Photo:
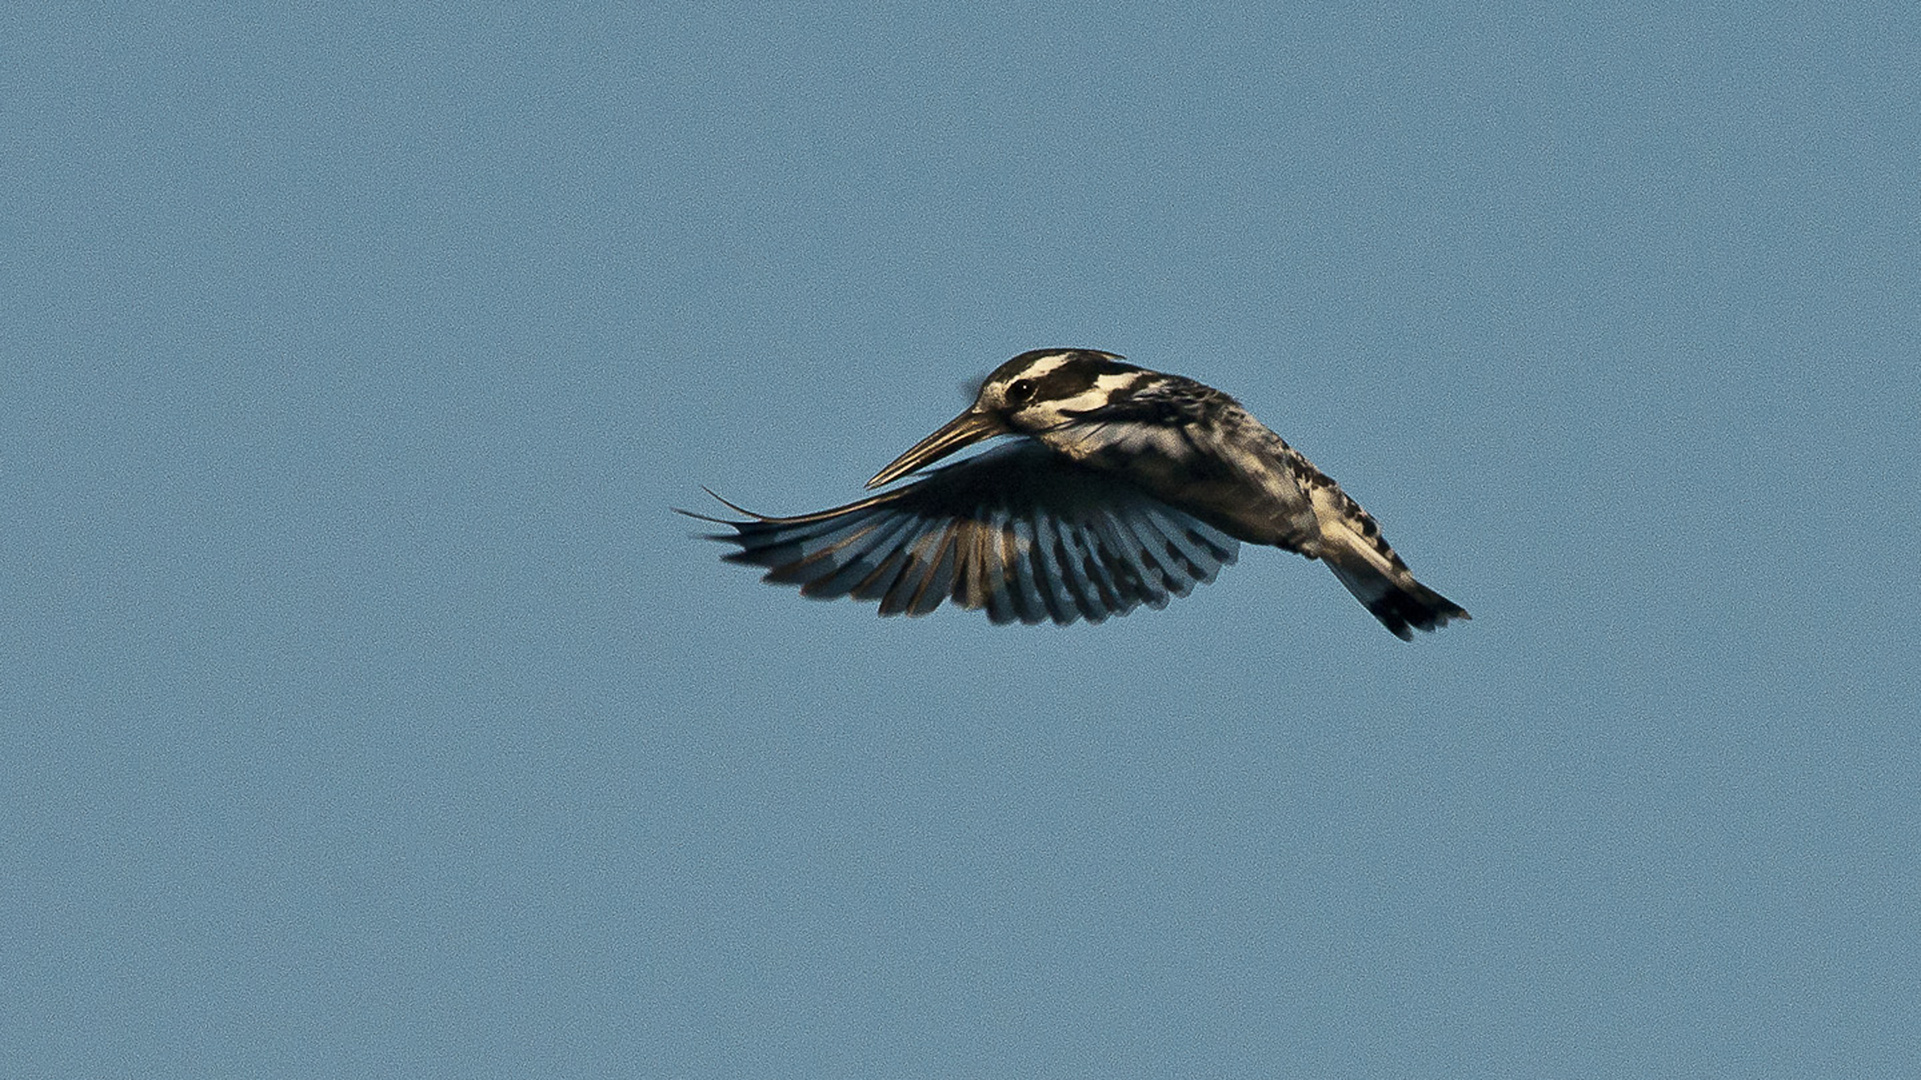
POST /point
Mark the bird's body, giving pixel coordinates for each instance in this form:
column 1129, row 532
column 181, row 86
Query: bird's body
column 1129, row 486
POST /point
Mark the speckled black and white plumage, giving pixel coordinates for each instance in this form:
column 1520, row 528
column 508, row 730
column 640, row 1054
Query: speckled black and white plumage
column 1127, row 487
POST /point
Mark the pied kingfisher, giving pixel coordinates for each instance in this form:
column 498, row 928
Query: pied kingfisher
column 1127, row 487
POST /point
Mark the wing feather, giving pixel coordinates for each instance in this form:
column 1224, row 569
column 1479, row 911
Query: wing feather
column 1018, row 531
column 1062, row 606
column 1152, row 583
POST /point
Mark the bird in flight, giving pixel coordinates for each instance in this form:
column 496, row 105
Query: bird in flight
column 1123, row 487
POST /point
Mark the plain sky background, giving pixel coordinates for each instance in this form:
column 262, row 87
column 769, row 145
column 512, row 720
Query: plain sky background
column 367, row 713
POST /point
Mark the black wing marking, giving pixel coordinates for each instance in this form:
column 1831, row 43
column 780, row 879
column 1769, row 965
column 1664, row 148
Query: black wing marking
column 1019, row 530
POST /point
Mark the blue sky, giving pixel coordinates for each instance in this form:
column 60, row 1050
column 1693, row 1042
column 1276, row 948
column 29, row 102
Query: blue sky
column 369, row 713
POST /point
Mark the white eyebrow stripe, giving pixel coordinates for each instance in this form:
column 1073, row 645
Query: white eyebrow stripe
column 1104, row 391
column 1042, row 365
column 1110, row 383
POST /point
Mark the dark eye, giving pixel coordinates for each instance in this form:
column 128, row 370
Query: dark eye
column 1019, row 391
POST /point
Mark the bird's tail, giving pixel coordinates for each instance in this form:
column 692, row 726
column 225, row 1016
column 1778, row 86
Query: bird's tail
column 1384, row 585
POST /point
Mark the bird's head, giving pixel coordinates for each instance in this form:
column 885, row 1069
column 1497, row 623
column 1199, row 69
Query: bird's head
column 1037, row 391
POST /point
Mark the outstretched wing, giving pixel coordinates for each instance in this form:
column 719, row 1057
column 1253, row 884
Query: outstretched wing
column 1018, row 530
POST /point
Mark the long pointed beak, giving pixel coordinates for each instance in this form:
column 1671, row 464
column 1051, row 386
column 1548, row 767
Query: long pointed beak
column 966, row 429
